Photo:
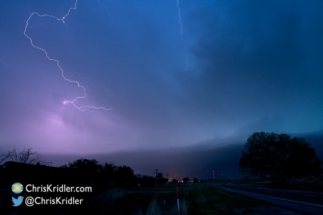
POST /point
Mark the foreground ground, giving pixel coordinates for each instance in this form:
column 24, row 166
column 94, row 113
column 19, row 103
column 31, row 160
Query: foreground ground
column 194, row 199
column 302, row 201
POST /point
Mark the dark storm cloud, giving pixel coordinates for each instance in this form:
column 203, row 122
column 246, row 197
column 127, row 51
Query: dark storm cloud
column 253, row 60
column 193, row 161
column 197, row 161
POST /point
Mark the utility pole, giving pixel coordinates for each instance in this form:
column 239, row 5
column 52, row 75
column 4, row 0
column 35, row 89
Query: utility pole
column 156, row 171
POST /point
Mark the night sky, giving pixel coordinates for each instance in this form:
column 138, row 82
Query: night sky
column 183, row 83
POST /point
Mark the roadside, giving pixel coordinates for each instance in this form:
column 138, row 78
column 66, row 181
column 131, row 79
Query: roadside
column 296, row 195
column 302, row 207
column 204, row 199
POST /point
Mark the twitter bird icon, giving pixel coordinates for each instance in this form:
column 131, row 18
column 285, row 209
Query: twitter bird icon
column 17, row 201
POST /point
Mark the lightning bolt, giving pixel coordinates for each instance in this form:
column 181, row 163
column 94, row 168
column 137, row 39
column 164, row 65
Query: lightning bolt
column 107, row 10
column 181, row 30
column 73, row 102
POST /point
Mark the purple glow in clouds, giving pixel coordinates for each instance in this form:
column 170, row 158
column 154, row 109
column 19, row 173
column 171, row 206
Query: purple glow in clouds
column 73, row 102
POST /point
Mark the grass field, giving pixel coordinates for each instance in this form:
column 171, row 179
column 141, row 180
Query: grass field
column 210, row 200
column 195, row 199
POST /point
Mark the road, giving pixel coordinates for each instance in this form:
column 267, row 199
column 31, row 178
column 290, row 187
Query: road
column 302, row 201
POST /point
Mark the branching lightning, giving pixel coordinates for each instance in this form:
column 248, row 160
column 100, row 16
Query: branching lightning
column 181, row 30
column 107, row 9
column 73, row 102
column 179, row 17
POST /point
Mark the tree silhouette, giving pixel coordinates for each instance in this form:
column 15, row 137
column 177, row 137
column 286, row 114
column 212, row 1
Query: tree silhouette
column 26, row 156
column 85, row 164
column 278, row 157
column 186, row 179
column 107, row 172
column 124, row 175
column 174, row 180
column 161, row 179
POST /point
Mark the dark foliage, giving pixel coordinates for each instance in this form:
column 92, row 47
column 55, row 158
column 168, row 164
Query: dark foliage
column 278, row 157
column 124, row 176
column 85, row 164
column 161, row 179
column 174, row 180
column 186, row 180
column 147, row 180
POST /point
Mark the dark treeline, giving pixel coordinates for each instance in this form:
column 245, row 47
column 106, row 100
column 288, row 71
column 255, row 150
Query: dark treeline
column 79, row 172
column 110, row 175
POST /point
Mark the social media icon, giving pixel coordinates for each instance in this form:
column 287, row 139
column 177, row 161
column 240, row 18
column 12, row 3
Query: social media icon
column 17, row 188
column 17, row 201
